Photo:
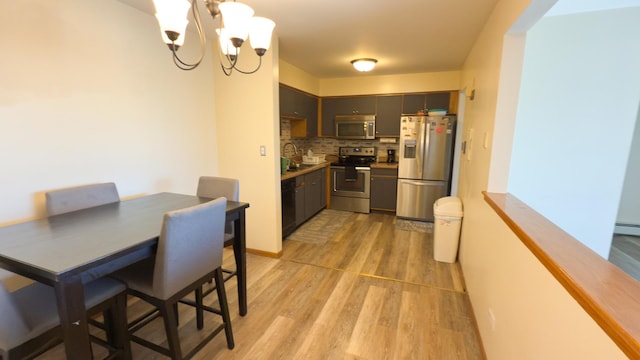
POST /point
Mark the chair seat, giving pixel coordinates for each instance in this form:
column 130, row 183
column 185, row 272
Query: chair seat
column 37, row 305
column 138, row 276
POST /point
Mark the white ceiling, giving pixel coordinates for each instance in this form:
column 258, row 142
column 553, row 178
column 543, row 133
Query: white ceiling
column 406, row 36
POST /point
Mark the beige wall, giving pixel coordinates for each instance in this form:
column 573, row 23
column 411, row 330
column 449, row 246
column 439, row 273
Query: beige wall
column 298, row 78
column 369, row 84
column 535, row 318
column 247, row 113
column 389, row 84
column 88, row 93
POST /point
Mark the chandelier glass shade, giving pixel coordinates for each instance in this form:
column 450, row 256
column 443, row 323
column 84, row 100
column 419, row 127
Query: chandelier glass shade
column 237, row 24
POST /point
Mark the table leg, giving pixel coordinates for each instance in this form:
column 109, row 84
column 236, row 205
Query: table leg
column 240, row 253
column 75, row 331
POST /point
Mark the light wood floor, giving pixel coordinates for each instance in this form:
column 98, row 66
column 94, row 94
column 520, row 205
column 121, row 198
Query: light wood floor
column 371, row 292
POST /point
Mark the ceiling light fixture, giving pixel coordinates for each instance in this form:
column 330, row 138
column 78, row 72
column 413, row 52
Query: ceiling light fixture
column 237, row 23
column 364, row 65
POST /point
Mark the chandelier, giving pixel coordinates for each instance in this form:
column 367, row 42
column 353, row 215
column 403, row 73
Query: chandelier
column 237, row 23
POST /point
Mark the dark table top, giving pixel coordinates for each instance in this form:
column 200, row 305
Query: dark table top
column 49, row 248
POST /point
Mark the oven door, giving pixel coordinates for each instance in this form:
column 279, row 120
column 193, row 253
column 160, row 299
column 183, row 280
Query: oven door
column 343, row 183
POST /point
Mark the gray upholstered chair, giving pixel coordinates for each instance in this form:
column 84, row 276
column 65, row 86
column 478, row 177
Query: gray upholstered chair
column 215, row 187
column 189, row 254
column 64, row 201
column 29, row 324
column 80, row 197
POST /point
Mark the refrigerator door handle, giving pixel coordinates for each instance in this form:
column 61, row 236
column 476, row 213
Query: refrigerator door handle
column 420, row 144
column 427, row 139
column 416, row 183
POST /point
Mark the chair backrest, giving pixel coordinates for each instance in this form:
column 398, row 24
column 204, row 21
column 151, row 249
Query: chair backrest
column 189, row 247
column 80, row 197
column 214, row 187
column 13, row 327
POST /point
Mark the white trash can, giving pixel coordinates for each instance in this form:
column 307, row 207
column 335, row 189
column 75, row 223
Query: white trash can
column 446, row 231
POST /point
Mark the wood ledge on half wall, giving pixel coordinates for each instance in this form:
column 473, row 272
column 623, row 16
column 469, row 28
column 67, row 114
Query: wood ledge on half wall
column 600, row 287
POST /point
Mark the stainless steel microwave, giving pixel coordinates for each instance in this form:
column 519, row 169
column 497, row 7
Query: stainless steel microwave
column 355, row 126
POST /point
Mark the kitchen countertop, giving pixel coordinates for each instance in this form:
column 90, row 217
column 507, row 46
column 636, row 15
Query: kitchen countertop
column 305, row 169
column 385, row 165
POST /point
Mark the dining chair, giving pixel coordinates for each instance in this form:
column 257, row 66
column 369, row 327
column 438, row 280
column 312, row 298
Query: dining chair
column 189, row 253
column 30, row 325
column 215, row 187
column 80, row 197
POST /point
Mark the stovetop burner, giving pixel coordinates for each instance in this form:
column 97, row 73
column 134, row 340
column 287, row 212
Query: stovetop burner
column 356, row 156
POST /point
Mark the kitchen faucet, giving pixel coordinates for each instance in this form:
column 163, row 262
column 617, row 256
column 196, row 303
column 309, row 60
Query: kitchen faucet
column 295, row 149
column 295, row 153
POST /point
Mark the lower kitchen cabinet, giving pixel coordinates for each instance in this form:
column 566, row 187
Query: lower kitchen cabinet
column 300, row 200
column 314, row 189
column 310, row 195
column 384, row 187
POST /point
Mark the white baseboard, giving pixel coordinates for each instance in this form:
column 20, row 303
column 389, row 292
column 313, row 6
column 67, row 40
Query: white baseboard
column 627, row 229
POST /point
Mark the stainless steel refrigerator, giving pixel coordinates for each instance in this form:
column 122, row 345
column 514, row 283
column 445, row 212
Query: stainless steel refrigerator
column 425, row 160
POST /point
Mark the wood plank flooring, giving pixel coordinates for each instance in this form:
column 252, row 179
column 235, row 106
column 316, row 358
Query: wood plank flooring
column 371, row 292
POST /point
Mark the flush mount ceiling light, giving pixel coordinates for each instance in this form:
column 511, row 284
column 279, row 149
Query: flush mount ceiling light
column 364, row 65
column 237, row 23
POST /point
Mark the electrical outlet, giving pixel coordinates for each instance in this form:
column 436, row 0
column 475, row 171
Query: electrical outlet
column 263, row 150
column 492, row 320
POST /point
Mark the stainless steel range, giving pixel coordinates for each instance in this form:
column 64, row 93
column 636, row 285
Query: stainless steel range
column 351, row 179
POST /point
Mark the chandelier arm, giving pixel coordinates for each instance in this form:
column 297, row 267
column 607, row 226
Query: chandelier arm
column 226, row 71
column 250, row 72
column 181, row 65
column 231, row 60
column 233, row 65
column 176, row 59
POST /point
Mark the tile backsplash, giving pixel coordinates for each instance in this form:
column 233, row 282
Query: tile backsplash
column 327, row 146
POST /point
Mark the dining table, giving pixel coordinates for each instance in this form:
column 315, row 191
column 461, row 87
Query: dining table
column 69, row 250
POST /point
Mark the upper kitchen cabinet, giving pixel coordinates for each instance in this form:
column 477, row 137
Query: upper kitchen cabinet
column 362, row 105
column 328, row 116
column 301, row 109
column 412, row 103
column 291, row 102
column 439, row 101
column 388, row 116
column 311, row 109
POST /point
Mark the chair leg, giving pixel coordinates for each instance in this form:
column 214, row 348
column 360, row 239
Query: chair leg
column 224, row 308
column 199, row 309
column 171, row 328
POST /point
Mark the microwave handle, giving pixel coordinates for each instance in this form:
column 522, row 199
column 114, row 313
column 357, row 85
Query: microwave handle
column 370, row 127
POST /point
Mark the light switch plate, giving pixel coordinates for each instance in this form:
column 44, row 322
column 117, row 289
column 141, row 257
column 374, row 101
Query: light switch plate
column 263, row 150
